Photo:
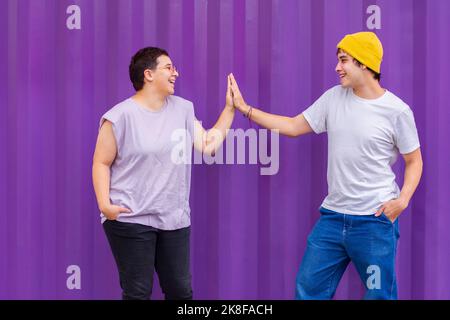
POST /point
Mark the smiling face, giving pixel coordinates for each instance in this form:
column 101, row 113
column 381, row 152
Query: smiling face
column 163, row 77
column 350, row 74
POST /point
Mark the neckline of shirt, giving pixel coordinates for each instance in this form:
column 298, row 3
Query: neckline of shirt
column 164, row 107
column 384, row 95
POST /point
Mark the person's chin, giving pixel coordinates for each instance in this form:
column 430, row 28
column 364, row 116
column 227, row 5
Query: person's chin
column 345, row 84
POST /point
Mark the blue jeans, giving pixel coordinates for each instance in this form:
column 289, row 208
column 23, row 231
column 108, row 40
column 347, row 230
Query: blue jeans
column 369, row 242
column 140, row 250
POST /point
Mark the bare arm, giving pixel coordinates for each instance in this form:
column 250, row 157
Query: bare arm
column 209, row 141
column 413, row 172
column 289, row 126
column 104, row 155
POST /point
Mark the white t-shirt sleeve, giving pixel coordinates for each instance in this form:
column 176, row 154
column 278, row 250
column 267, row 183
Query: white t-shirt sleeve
column 317, row 113
column 405, row 132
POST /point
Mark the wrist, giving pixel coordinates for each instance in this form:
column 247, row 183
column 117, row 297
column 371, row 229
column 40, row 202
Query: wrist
column 404, row 199
column 248, row 112
column 243, row 108
column 102, row 206
column 229, row 108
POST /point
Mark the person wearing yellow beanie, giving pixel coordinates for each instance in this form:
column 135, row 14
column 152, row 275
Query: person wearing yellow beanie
column 359, row 63
column 365, row 47
column 367, row 127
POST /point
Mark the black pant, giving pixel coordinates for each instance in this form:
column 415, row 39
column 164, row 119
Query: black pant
column 139, row 249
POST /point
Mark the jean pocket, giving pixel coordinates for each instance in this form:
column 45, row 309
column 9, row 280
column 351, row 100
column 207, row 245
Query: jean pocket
column 386, row 218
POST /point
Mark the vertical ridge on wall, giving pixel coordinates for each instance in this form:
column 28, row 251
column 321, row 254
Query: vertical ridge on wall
column 419, row 101
column 21, row 67
column 3, row 136
column 11, row 148
column 264, row 233
column 224, row 201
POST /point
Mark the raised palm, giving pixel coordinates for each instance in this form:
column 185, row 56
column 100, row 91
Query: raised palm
column 238, row 100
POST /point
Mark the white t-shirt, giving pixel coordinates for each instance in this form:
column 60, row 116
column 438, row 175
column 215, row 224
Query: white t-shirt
column 364, row 139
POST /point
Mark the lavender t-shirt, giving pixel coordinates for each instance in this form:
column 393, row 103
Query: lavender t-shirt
column 147, row 175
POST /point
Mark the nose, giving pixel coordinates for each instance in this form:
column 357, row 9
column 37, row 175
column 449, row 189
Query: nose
column 338, row 67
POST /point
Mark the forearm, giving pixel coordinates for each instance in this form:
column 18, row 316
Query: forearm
column 218, row 132
column 225, row 120
column 101, row 181
column 413, row 173
column 285, row 125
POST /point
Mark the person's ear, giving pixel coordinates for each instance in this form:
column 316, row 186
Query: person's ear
column 148, row 75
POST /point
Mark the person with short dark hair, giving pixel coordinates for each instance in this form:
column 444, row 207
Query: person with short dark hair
column 142, row 174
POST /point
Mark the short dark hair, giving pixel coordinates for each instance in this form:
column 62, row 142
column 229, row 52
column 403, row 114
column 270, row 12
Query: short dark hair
column 376, row 75
column 145, row 58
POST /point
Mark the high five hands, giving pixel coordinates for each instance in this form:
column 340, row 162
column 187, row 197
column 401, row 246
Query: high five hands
column 236, row 97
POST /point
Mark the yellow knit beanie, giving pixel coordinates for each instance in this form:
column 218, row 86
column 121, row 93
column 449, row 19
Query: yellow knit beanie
column 364, row 47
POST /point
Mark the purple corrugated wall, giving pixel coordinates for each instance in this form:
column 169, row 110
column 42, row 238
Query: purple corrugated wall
column 249, row 231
